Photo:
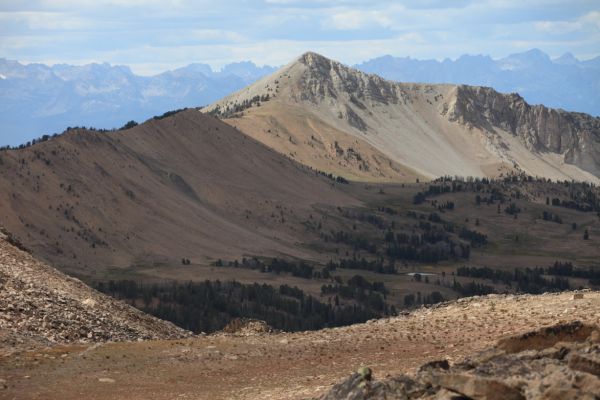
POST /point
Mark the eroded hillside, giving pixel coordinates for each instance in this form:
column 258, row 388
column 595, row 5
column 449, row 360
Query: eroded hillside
column 363, row 127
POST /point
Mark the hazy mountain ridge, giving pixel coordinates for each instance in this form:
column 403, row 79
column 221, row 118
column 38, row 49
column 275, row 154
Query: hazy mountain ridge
column 429, row 129
column 564, row 82
column 40, row 99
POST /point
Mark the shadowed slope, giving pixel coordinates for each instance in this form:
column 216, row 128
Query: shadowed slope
column 184, row 186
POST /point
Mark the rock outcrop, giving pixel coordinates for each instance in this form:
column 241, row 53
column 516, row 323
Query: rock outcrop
column 40, row 305
column 248, row 327
column 575, row 136
column 557, row 362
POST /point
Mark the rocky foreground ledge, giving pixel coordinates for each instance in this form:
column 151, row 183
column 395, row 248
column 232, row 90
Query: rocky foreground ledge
column 42, row 306
column 59, row 339
column 561, row 362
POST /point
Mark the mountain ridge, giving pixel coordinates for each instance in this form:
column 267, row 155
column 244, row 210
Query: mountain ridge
column 467, row 130
column 564, row 82
column 42, row 99
column 186, row 185
column 106, row 96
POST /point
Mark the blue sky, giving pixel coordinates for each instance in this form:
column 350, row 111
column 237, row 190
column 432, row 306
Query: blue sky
column 154, row 35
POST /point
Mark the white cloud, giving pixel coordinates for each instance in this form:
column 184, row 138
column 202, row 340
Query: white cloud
column 46, row 20
column 216, row 35
column 16, row 43
column 357, row 19
column 557, row 27
column 587, row 22
column 592, row 18
column 152, row 35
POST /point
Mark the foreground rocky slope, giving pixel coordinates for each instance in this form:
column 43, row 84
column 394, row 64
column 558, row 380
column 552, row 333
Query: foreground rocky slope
column 282, row 365
column 361, row 126
column 41, row 306
column 558, row 362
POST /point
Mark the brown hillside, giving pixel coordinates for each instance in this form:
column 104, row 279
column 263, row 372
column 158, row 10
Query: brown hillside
column 183, row 186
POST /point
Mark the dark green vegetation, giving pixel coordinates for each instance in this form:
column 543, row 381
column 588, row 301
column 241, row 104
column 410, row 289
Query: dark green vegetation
column 235, row 109
column 209, row 306
column 463, row 238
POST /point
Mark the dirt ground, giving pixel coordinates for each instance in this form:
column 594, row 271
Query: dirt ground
column 285, row 365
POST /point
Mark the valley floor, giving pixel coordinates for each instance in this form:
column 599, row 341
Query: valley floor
column 281, row 366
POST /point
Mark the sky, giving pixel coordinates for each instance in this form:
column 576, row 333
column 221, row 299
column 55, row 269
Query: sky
column 152, row 36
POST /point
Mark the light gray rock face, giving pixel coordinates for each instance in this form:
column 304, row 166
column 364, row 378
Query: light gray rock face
column 542, row 129
column 575, row 136
column 460, row 130
column 559, row 362
column 328, row 78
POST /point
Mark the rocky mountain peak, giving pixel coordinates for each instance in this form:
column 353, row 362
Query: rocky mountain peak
column 328, row 79
column 405, row 119
column 315, row 60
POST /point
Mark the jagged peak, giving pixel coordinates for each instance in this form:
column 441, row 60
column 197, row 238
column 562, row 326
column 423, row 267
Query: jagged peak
column 318, row 62
column 311, row 57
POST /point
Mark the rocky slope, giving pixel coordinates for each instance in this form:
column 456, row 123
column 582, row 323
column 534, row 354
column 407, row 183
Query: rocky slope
column 558, row 362
column 575, row 136
column 42, row 306
column 255, row 364
column 361, row 126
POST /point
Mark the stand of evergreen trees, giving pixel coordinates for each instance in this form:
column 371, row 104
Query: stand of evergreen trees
column 526, row 280
column 358, row 288
column 566, row 269
column 378, row 265
column 300, row 269
column 209, row 306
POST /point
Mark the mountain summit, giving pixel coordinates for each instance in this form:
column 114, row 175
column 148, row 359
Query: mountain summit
column 361, row 126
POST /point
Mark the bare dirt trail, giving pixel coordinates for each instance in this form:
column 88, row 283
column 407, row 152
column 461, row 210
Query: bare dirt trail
column 282, row 366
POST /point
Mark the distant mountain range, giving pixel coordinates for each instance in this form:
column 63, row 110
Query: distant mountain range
column 564, row 82
column 38, row 99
